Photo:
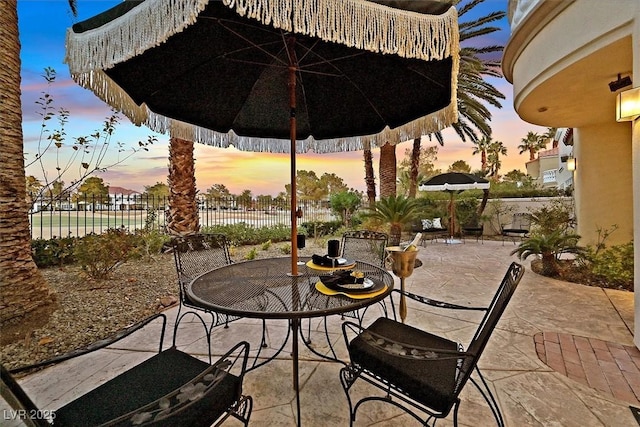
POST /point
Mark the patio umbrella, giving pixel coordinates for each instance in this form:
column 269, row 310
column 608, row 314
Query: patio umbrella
column 453, row 183
column 275, row 75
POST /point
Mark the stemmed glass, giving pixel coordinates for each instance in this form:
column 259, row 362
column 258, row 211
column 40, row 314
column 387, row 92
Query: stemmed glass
column 300, row 244
column 333, row 251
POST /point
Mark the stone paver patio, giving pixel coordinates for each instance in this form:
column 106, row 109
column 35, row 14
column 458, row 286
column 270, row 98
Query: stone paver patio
column 562, row 354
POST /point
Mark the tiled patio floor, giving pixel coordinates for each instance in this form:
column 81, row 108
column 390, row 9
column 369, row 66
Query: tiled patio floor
column 608, row 367
column 531, row 361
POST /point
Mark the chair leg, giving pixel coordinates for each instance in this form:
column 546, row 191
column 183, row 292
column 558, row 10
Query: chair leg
column 242, row 409
column 347, row 378
column 485, row 391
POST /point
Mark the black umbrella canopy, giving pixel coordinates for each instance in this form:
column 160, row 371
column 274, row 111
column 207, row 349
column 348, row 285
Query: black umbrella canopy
column 454, row 181
column 384, row 70
column 275, row 75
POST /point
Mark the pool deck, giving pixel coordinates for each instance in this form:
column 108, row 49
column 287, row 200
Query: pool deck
column 561, row 355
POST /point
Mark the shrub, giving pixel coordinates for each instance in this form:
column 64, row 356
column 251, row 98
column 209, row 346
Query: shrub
column 245, row 234
column 53, row 252
column 266, row 245
column 317, row 229
column 100, row 254
column 150, row 241
column 549, row 247
column 556, row 215
column 252, row 254
column 286, row 248
column 615, row 265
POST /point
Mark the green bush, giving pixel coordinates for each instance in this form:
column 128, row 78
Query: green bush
column 53, row 252
column 252, row 254
column 100, row 254
column 317, row 229
column 286, row 248
column 266, row 245
column 150, row 241
column 244, row 234
column 555, row 215
column 614, row 265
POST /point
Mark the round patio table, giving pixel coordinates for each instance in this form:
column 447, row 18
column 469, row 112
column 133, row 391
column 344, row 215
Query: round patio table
column 264, row 289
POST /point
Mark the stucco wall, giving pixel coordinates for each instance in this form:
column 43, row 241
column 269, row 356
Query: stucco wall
column 603, row 181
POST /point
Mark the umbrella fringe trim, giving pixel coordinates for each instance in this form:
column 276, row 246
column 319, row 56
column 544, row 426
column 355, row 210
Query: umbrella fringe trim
column 354, row 23
column 360, row 24
column 415, row 129
column 145, row 26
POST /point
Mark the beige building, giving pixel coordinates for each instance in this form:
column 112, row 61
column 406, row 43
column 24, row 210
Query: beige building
column 568, row 61
column 554, row 168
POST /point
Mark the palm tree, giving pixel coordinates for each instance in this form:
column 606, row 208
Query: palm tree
column 474, row 93
column 550, row 134
column 496, row 148
column 369, row 177
column 396, row 212
column 532, row 143
column 482, row 145
column 388, row 170
column 414, row 169
column 24, row 294
column 549, row 247
column 183, row 207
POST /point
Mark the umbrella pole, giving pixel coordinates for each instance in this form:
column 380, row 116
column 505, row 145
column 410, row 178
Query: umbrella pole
column 292, row 132
column 452, row 221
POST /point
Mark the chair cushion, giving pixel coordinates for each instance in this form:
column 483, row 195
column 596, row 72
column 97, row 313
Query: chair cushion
column 145, row 383
column 427, row 223
column 437, row 223
column 427, row 381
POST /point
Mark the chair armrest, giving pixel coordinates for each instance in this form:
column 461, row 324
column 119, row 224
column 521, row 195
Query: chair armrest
column 436, row 303
column 398, row 349
column 123, row 333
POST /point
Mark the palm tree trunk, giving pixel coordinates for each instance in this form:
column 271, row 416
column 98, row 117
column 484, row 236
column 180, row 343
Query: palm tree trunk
column 387, row 170
column 369, row 177
column 395, row 234
column 415, row 166
column 183, row 207
column 24, row 294
column 483, row 161
column 483, row 203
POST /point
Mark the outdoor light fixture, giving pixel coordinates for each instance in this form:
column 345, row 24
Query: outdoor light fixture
column 628, row 105
column 571, row 164
column 619, row 83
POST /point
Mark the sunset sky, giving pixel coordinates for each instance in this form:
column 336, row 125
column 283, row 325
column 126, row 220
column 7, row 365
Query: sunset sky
column 43, row 24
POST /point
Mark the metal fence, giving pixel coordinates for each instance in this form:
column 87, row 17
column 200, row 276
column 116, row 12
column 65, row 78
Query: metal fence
column 78, row 216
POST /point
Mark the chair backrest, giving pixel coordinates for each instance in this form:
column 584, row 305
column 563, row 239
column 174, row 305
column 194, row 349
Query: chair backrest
column 489, row 322
column 199, row 253
column 364, row 245
column 521, row 221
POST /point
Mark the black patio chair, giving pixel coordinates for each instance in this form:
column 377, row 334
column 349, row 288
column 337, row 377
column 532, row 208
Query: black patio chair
column 172, row 388
column 473, row 228
column 518, row 229
column 194, row 255
column 359, row 245
column 420, row 371
column 365, row 245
